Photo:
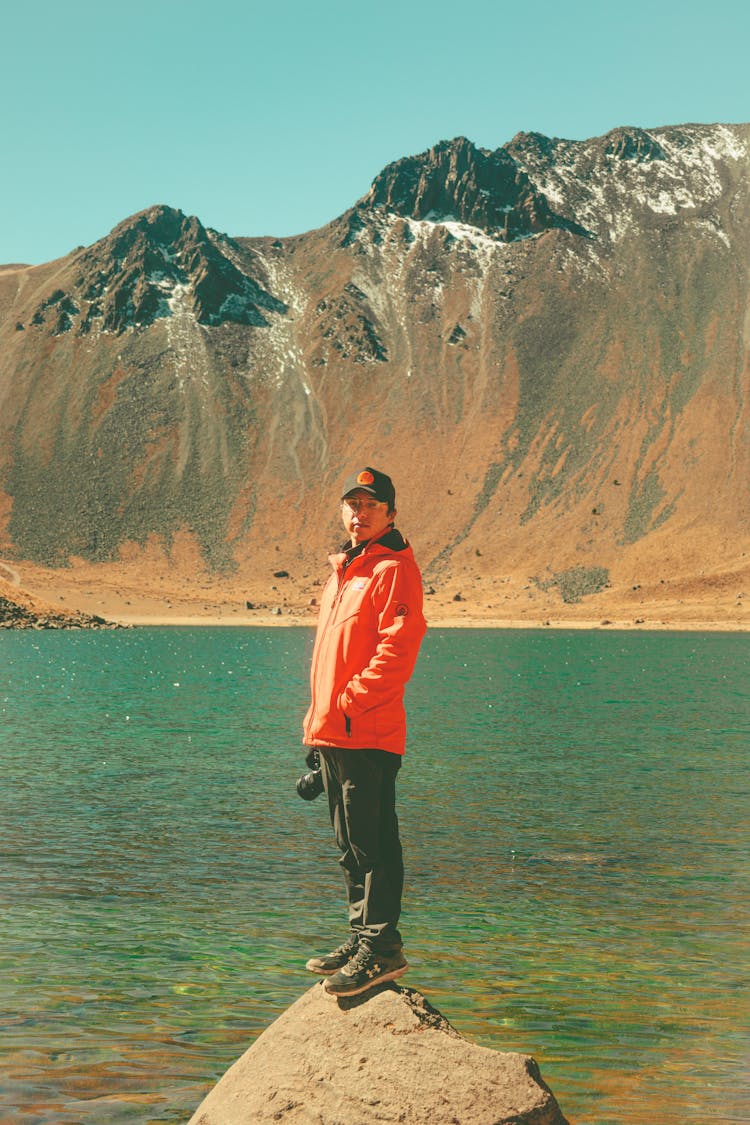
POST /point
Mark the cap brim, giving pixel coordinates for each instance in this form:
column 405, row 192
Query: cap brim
column 360, row 488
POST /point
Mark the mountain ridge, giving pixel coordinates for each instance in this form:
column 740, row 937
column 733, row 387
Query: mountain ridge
column 560, row 326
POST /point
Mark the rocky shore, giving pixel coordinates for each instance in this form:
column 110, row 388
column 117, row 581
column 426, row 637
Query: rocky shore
column 19, row 610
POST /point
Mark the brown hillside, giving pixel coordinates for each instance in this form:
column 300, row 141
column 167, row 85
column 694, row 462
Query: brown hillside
column 546, row 345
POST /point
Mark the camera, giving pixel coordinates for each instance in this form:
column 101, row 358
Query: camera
column 310, row 785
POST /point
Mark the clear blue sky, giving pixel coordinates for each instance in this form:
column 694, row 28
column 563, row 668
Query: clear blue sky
column 274, row 117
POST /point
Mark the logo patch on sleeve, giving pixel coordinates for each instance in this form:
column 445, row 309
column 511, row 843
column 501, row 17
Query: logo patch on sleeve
column 401, row 610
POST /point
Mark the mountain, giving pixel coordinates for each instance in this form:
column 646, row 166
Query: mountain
column 546, row 344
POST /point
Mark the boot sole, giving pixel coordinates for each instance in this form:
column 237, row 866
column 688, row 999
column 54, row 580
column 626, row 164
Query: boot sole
column 394, row 973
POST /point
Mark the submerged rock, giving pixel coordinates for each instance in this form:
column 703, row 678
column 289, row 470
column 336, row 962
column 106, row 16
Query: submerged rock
column 387, row 1056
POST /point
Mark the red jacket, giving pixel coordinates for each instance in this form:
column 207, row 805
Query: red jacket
column 369, row 632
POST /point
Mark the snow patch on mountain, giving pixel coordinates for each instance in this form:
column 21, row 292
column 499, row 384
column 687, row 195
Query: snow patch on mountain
column 277, row 354
column 181, row 329
column 610, row 192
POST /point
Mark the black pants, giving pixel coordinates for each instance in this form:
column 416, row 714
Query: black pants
column 361, row 790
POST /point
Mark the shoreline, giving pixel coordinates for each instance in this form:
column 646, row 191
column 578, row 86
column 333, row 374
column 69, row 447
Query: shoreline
column 265, row 621
column 164, row 600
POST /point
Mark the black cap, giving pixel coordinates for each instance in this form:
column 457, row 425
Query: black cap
column 370, row 480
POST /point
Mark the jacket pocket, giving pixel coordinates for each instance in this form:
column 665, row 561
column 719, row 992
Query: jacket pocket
column 348, row 725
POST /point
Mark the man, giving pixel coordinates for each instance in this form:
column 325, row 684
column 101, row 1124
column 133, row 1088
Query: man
column 370, row 629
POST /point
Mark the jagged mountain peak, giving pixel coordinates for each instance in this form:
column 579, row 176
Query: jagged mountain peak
column 458, row 181
column 631, row 143
column 158, row 223
column 624, row 142
column 631, row 178
column 148, row 266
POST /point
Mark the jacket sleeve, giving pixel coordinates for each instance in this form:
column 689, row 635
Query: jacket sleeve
column 397, row 598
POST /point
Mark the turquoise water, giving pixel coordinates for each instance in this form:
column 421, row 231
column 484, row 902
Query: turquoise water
column 574, row 810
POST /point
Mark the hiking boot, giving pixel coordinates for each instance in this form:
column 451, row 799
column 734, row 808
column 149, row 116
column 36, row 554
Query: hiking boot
column 365, row 970
column 332, row 962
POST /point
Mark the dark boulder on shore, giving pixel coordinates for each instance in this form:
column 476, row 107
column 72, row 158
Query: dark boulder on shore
column 387, row 1056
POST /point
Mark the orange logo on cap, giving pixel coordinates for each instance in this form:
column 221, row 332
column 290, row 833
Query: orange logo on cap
column 365, row 478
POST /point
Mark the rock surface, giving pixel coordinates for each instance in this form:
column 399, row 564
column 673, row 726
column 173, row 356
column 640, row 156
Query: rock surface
column 387, row 1056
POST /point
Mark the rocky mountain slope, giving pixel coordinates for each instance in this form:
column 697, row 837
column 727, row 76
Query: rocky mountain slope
column 547, row 345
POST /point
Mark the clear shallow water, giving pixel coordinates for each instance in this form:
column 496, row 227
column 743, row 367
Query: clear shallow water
column 574, row 809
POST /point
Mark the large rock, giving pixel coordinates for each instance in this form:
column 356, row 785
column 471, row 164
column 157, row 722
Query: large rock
column 385, row 1056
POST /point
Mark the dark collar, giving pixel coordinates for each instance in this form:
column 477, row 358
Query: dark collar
column 393, row 540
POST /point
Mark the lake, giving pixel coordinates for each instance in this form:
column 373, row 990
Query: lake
column 575, row 818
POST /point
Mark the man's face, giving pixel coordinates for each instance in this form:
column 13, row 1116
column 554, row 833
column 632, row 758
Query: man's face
column 365, row 517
